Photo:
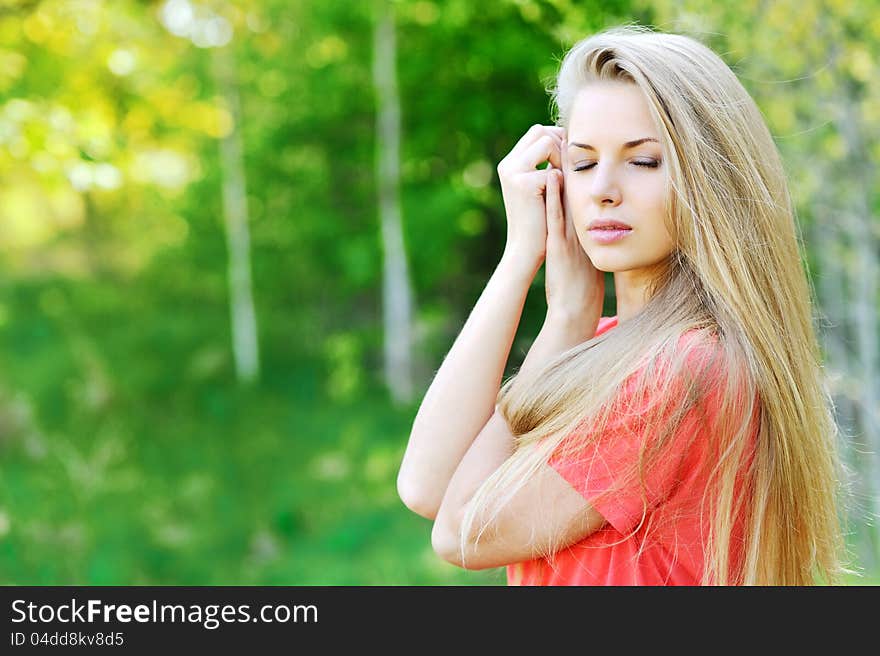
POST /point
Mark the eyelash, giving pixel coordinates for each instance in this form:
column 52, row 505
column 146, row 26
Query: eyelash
column 653, row 164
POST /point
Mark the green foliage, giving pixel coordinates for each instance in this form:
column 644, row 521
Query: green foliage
column 130, row 454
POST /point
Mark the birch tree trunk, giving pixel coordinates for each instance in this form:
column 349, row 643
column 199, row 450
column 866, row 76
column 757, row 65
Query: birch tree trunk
column 397, row 294
column 235, row 213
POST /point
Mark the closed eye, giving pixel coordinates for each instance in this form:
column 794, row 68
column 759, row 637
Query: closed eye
column 647, row 163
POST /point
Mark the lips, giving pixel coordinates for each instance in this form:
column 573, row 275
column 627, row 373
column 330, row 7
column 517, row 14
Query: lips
column 608, row 224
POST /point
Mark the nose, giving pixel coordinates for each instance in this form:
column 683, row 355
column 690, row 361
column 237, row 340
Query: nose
column 605, row 189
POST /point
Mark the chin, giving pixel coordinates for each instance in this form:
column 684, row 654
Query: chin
column 603, row 263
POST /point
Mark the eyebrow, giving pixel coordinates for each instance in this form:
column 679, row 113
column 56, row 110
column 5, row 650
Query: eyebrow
column 628, row 144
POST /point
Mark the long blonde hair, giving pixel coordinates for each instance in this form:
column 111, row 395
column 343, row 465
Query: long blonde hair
column 734, row 281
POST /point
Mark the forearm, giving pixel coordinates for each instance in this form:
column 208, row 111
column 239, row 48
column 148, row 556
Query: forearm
column 557, row 335
column 495, row 443
column 461, row 398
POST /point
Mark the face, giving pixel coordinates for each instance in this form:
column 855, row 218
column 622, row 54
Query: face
column 614, row 170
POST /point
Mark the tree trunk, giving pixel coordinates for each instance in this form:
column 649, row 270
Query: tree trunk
column 396, row 288
column 235, row 212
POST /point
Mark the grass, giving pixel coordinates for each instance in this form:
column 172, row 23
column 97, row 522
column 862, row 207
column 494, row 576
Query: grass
column 130, row 457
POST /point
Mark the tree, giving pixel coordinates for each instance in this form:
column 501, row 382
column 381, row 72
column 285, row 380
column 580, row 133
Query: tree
column 397, row 296
column 209, row 29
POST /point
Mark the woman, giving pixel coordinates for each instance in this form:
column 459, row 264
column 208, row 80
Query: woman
column 688, row 439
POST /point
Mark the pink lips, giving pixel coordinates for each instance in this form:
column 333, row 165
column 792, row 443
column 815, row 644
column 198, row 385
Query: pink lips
column 608, row 236
column 606, row 231
column 608, row 223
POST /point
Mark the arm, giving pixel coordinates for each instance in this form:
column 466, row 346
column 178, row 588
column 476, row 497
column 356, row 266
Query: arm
column 461, row 398
column 546, row 506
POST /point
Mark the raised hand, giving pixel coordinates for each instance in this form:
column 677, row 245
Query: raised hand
column 523, row 187
column 575, row 288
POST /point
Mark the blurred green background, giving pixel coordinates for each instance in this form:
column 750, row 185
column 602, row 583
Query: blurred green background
column 196, row 383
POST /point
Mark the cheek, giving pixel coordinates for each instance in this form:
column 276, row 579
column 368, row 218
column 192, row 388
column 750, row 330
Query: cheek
column 652, row 194
column 654, row 205
column 655, row 236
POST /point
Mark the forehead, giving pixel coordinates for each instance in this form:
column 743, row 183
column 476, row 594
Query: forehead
column 610, row 109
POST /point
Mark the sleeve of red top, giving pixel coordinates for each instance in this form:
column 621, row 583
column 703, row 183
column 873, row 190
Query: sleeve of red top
column 597, row 468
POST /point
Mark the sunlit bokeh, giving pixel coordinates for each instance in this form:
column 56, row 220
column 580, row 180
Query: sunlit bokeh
column 194, row 385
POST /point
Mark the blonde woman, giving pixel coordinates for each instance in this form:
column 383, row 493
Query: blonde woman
column 689, row 438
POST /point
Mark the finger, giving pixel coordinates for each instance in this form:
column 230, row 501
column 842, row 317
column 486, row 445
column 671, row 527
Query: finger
column 568, row 226
column 534, row 133
column 558, row 133
column 545, row 148
column 555, row 218
column 531, row 135
column 536, row 182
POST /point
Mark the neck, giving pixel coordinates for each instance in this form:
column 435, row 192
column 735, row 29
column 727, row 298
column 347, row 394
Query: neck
column 631, row 289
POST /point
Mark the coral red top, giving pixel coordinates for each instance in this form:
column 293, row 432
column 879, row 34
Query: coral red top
column 669, row 535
